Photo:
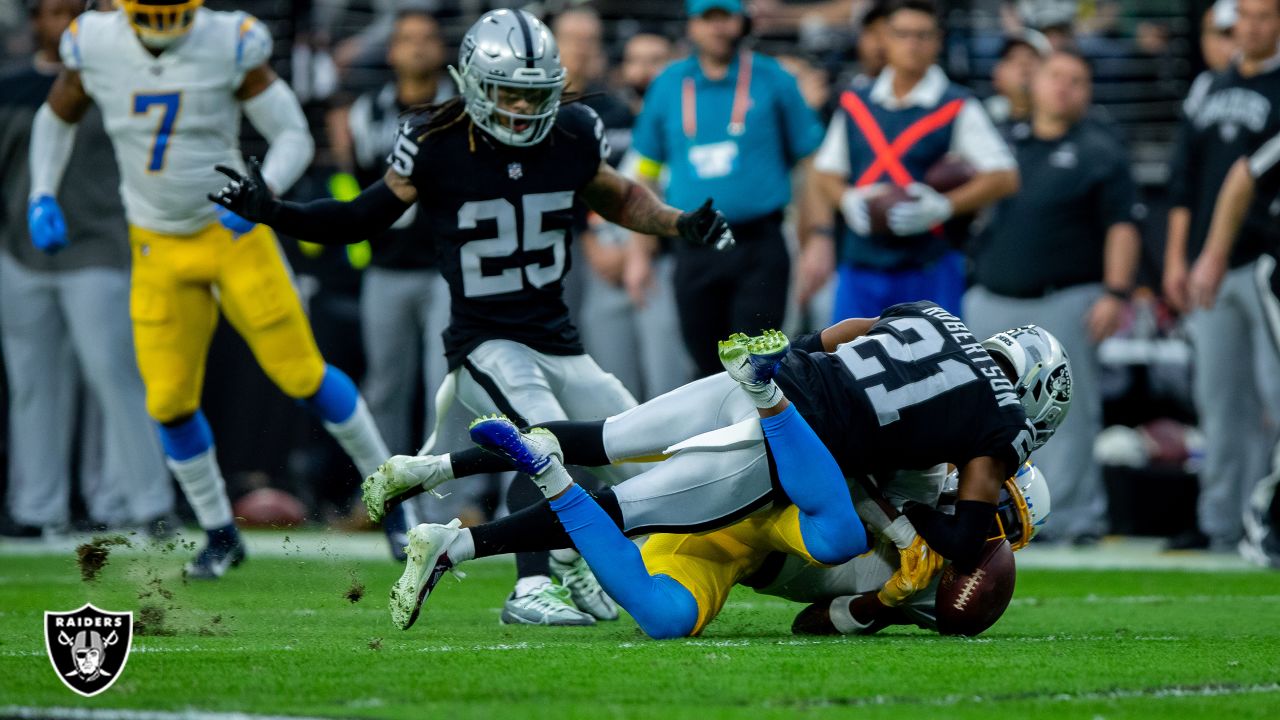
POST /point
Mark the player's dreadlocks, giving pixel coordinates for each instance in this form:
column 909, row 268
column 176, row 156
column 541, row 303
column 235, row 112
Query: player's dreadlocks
column 444, row 115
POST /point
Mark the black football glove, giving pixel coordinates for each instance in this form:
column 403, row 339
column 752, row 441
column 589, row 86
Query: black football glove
column 247, row 195
column 705, row 226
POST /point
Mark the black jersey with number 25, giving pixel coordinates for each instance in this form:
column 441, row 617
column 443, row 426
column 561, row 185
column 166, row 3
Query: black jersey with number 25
column 501, row 220
column 917, row 390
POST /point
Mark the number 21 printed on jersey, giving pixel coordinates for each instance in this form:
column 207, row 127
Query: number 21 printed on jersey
column 947, row 374
column 170, row 103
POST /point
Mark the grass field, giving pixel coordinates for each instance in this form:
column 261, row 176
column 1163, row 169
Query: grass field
column 282, row 635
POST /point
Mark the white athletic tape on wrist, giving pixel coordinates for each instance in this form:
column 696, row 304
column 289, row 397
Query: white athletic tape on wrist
column 901, row 532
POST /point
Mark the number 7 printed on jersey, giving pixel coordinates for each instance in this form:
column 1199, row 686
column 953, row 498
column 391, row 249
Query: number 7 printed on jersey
column 170, row 104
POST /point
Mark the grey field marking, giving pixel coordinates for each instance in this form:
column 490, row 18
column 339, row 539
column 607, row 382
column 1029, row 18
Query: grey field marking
column 1170, row 691
column 1110, row 554
column 71, row 713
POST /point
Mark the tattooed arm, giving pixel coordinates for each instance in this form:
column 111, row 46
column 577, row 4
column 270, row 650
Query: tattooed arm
column 624, row 202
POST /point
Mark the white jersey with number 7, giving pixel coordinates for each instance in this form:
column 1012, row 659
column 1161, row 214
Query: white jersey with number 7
column 173, row 117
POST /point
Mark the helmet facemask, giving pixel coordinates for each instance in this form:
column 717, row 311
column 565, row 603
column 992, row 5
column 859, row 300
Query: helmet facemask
column 488, row 104
column 1023, row 506
column 160, row 23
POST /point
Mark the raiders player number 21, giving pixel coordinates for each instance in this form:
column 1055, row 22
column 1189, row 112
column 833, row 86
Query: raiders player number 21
column 497, row 171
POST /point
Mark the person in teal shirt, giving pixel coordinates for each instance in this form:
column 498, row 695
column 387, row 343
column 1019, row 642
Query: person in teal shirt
column 730, row 124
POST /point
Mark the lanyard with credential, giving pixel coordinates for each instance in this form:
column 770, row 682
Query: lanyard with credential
column 741, row 99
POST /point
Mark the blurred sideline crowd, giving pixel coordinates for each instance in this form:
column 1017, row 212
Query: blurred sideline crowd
column 1086, row 201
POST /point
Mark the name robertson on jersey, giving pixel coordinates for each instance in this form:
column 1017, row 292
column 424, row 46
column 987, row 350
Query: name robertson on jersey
column 978, row 355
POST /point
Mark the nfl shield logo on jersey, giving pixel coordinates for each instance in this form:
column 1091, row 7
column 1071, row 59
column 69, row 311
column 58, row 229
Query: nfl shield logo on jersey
column 88, row 647
column 515, row 171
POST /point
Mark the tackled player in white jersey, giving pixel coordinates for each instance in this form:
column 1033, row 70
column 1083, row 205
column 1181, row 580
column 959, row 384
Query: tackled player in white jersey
column 171, row 79
column 497, row 175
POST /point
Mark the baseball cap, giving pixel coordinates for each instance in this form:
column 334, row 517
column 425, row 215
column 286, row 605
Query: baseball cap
column 1036, row 41
column 697, row 8
column 1224, row 15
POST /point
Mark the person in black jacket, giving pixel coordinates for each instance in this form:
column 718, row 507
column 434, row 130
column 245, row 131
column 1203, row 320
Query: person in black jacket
column 1219, row 265
column 1062, row 253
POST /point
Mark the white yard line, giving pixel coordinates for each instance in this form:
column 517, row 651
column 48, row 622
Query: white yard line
column 286, row 544
column 23, row 711
column 1147, row 599
column 1172, row 691
column 1128, row 554
column 644, row 645
column 1111, row 554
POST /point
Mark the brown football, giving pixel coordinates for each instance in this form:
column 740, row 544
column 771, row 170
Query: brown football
column 884, row 196
column 269, row 508
column 969, row 604
column 949, row 173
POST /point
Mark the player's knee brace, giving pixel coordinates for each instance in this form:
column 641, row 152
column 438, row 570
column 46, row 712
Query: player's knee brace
column 336, row 399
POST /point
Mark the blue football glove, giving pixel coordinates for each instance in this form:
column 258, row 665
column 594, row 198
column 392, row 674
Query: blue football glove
column 48, row 227
column 233, row 222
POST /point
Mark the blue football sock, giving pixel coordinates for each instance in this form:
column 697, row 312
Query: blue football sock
column 336, row 399
column 661, row 606
column 832, row 531
column 187, row 439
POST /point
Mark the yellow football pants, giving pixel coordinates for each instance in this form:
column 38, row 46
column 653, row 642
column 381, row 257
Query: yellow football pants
column 179, row 283
column 710, row 564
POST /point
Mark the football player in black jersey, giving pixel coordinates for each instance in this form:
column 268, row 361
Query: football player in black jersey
column 907, row 391
column 496, row 172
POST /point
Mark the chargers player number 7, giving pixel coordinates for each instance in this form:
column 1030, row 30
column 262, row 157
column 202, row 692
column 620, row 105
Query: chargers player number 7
column 170, row 102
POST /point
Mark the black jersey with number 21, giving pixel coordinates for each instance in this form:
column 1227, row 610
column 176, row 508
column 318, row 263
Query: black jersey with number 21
column 500, row 218
column 917, row 390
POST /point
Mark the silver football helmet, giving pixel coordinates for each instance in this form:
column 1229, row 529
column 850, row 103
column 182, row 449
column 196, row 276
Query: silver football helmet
column 1043, row 376
column 510, row 76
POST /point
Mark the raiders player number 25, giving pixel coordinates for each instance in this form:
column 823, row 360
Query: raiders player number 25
column 496, row 171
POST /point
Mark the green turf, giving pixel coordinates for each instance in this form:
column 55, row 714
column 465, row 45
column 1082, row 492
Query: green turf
column 279, row 636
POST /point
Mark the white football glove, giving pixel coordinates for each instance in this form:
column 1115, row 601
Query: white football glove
column 930, row 208
column 853, row 205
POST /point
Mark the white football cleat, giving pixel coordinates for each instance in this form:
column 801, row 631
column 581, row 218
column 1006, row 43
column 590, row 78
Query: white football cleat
column 547, row 605
column 584, row 589
column 400, row 478
column 426, row 564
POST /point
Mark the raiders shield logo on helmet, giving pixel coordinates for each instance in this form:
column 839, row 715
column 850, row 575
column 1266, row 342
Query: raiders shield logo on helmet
column 88, row 647
column 1059, row 383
